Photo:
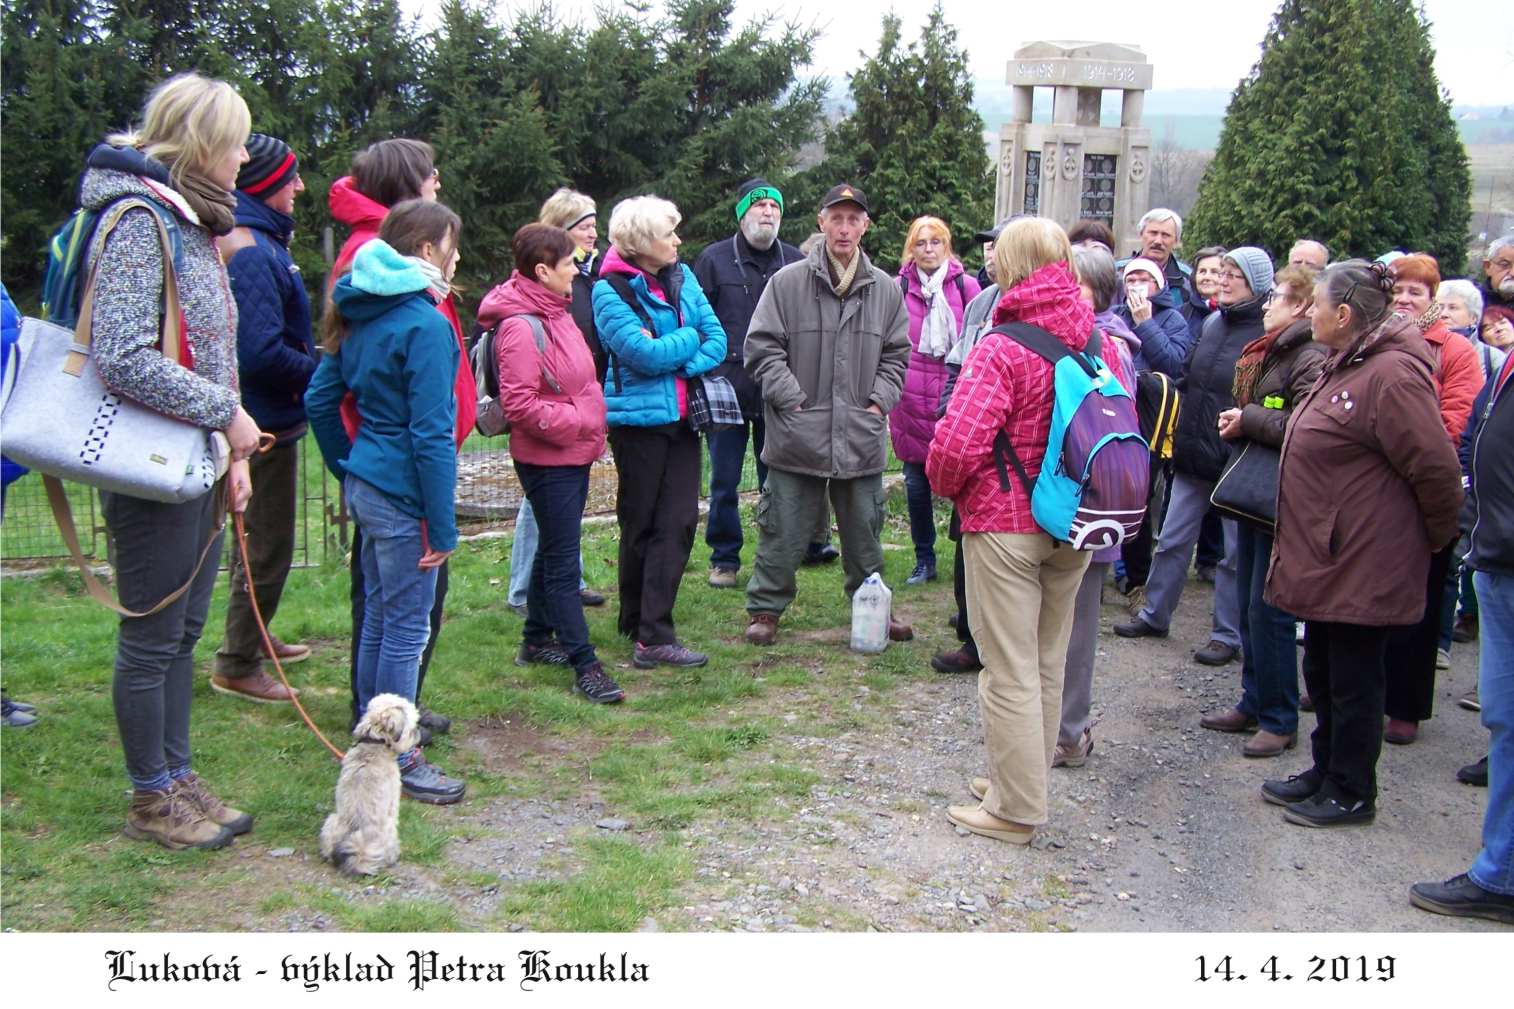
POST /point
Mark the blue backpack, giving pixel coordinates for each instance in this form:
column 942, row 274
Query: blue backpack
column 63, row 283
column 1091, row 492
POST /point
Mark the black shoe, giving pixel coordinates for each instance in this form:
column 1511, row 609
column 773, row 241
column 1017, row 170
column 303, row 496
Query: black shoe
column 924, row 572
column 591, row 598
column 1465, row 629
column 548, row 653
column 821, row 553
column 425, row 782
column 439, row 724
column 1216, row 653
column 1205, row 573
column 1321, row 811
column 1474, row 774
column 954, row 621
column 423, row 734
column 594, row 684
column 1297, row 788
column 1138, row 628
column 1463, row 898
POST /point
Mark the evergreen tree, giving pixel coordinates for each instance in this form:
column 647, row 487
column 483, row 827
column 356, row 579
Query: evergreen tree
column 1340, row 133
column 913, row 141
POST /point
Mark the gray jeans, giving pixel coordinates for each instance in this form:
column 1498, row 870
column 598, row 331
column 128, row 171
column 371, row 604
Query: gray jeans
column 1077, row 679
column 154, row 549
column 1169, row 568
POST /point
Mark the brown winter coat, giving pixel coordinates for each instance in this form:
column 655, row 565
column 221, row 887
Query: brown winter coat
column 1367, row 488
column 1292, row 364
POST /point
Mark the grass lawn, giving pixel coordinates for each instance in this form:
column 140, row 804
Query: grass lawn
column 686, row 745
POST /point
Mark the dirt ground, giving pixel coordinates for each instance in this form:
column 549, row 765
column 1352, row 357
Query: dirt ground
column 1161, row 830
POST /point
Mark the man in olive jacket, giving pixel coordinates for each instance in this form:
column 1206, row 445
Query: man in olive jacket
column 828, row 345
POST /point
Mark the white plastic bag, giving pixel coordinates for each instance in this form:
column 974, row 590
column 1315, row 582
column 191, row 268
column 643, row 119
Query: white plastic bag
column 871, row 605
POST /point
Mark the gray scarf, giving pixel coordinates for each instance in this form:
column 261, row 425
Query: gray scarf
column 215, row 207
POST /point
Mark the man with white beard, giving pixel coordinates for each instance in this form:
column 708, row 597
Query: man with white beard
column 1498, row 290
column 733, row 273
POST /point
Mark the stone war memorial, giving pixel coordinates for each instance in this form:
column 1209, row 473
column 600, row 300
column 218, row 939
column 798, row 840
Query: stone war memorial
column 1073, row 167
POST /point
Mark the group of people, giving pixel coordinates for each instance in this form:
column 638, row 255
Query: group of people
column 1363, row 380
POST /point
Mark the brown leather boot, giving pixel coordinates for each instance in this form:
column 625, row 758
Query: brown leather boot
column 169, row 819
column 900, row 631
column 192, row 789
column 763, row 630
column 259, row 687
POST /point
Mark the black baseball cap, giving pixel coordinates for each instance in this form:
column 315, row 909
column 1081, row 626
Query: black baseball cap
column 844, row 194
column 992, row 234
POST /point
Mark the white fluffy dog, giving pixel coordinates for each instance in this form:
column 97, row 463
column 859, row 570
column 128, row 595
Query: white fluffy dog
column 363, row 837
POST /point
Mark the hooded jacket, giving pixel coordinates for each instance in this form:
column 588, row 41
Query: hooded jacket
column 913, row 421
column 1005, row 387
column 275, row 354
column 126, row 335
column 1206, row 383
column 644, row 385
column 1165, row 338
column 733, row 276
column 547, row 427
column 1288, row 371
column 821, row 361
column 1367, row 489
column 398, row 361
column 1458, row 376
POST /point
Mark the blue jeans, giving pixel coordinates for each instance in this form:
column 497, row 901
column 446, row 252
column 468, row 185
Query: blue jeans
column 552, row 602
column 1269, row 663
column 722, row 531
column 399, row 594
column 922, row 515
column 1493, row 868
column 523, row 553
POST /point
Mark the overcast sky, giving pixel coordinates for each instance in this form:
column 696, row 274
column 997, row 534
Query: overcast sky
column 1209, row 44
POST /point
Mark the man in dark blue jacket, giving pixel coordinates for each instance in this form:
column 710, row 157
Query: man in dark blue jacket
column 734, row 272
column 275, row 359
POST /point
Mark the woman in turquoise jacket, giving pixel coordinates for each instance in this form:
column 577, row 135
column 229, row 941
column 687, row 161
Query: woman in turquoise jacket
column 659, row 332
column 387, row 344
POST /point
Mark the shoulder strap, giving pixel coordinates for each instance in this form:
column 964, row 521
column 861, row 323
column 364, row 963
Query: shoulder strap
column 1034, row 339
column 627, row 293
column 961, row 279
column 903, row 283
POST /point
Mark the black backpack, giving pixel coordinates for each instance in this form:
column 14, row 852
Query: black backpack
column 491, row 419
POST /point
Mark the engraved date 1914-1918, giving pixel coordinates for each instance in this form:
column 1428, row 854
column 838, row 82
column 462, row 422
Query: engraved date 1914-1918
column 1318, row 968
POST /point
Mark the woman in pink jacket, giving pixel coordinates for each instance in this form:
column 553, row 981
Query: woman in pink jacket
column 551, row 395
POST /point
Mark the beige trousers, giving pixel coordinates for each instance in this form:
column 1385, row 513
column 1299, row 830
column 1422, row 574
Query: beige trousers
column 1020, row 594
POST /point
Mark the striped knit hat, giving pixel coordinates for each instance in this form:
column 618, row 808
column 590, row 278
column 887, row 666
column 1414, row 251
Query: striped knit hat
column 270, row 166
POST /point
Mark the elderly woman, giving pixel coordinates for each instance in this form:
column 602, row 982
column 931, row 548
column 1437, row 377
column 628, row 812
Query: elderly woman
column 184, row 157
column 1413, row 651
column 659, row 332
column 1369, row 488
column 1162, row 331
column 1275, row 371
column 1021, row 584
column 1203, row 299
column 936, row 293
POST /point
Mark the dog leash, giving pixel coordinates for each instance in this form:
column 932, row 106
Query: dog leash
column 252, row 597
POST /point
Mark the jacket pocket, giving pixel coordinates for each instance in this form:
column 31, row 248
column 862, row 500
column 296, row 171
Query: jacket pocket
column 799, row 439
column 866, row 442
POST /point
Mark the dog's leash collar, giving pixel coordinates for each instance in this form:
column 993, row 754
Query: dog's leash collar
column 369, row 739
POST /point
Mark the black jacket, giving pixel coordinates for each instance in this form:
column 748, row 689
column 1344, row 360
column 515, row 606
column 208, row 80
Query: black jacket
column 1491, row 496
column 734, row 275
column 582, row 310
column 1206, row 384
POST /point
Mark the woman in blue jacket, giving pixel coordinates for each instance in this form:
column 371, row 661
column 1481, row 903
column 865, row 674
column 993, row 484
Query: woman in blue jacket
column 388, row 345
column 659, row 332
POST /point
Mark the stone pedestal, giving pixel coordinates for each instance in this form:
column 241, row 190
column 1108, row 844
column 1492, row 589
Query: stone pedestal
column 1073, row 167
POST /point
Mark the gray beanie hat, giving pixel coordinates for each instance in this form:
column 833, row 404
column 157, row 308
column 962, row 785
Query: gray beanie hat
column 1256, row 265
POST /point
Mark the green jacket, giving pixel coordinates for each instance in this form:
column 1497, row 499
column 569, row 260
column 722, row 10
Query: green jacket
column 821, row 361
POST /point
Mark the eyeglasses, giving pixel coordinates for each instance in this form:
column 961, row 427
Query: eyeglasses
column 1272, row 296
column 1504, row 264
column 1232, row 275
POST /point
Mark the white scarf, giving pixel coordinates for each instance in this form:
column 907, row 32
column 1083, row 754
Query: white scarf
column 434, row 277
column 939, row 329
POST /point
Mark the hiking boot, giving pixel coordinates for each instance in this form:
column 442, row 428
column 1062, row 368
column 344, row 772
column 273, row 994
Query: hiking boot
column 1216, row 653
column 1465, row 629
column 9, row 704
column 1470, row 700
column 192, row 789
column 985, row 824
column 590, row 598
column 898, row 630
column 1229, row 720
column 425, row 782
column 722, row 578
column 545, row 653
column 1400, row 732
column 1075, row 755
column 288, row 654
column 925, row 571
column 959, row 661
column 438, row 724
column 1324, row 811
column 594, row 684
column 259, row 687
column 1138, row 628
column 169, row 818
column 670, row 654
column 16, row 716
column 1205, row 573
column 1296, row 788
column 763, row 629
column 1269, row 744
column 1474, row 774
column 1461, row 897
column 1442, row 659
column 821, row 553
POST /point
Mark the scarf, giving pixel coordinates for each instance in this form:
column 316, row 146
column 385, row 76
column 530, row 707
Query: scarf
column 842, row 276
column 584, row 259
column 1248, row 369
column 939, row 326
column 215, row 207
column 434, row 278
column 1424, row 322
